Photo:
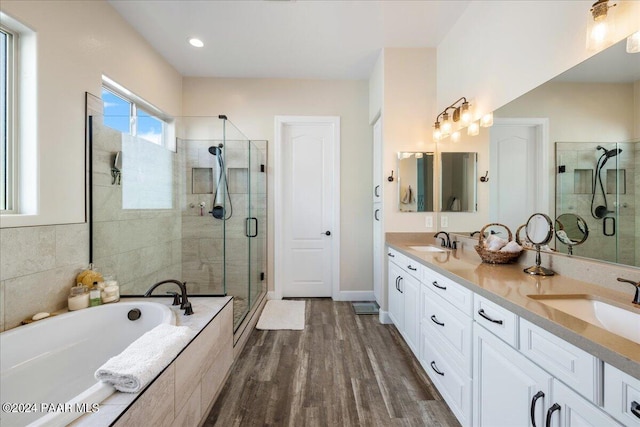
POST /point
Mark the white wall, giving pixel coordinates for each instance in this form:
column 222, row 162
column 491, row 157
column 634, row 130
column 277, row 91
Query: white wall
column 408, row 111
column 499, row 50
column 376, row 88
column 252, row 104
column 77, row 42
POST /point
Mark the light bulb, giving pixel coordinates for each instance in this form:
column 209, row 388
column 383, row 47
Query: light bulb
column 473, row 129
column 437, row 133
column 196, row 42
column 486, row 120
column 633, row 43
column 455, row 137
column 600, row 27
column 445, row 126
column 465, row 113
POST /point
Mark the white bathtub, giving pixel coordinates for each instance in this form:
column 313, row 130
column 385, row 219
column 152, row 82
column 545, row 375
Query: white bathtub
column 51, row 362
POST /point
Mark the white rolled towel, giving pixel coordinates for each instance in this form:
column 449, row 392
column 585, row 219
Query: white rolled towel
column 131, row 370
column 494, row 243
column 511, row 247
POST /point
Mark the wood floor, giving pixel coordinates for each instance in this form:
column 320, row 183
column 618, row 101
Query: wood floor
column 342, row 370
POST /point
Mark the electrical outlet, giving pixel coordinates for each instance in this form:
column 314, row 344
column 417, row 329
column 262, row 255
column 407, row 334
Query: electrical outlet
column 428, row 221
column 444, row 221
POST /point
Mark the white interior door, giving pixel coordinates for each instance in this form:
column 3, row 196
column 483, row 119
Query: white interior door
column 306, row 219
column 518, row 186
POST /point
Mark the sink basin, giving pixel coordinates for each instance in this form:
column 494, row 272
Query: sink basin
column 617, row 320
column 427, row 248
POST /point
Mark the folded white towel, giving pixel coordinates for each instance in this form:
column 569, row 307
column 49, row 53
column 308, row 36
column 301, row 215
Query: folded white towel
column 131, row 370
column 511, row 247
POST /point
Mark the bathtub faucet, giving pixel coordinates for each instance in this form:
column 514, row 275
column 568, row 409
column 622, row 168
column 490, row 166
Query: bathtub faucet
column 184, row 302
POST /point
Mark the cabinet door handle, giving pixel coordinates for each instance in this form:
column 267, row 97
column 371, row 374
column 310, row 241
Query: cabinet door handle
column 554, row 407
column 391, row 255
column 435, row 368
column 412, row 268
column 400, row 287
column 482, row 314
column 534, row 400
column 375, row 191
column 635, row 408
column 397, row 279
column 434, row 283
column 434, row 319
column 375, row 215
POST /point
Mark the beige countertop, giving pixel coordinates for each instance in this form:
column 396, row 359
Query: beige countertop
column 508, row 286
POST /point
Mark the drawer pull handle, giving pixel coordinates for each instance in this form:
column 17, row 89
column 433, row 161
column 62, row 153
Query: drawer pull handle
column 554, row 407
column 635, row 408
column 434, row 283
column 482, row 313
column 412, row 268
column 434, row 319
column 534, row 400
column 391, row 255
column 435, row 368
column 400, row 287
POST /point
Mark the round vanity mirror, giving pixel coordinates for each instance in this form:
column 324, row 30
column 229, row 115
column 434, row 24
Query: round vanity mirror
column 571, row 229
column 539, row 230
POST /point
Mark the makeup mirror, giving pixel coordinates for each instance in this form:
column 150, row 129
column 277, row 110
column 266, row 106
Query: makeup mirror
column 571, row 230
column 539, row 230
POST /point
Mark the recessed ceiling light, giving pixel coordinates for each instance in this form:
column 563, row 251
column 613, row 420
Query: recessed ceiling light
column 196, row 42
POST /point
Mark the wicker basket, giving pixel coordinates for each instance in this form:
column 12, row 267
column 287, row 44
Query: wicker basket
column 495, row 257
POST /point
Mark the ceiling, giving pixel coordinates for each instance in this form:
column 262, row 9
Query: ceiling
column 306, row 39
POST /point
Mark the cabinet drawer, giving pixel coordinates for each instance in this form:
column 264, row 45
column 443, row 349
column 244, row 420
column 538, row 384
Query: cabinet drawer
column 621, row 396
column 575, row 367
column 500, row 321
column 413, row 267
column 396, row 257
column 453, row 385
column 457, row 295
column 452, row 326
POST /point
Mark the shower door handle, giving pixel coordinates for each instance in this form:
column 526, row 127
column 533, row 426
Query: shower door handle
column 612, row 231
column 247, row 226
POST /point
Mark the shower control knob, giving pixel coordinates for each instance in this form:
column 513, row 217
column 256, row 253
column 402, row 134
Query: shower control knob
column 328, row 233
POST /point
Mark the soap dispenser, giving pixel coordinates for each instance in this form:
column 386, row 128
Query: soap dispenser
column 94, row 295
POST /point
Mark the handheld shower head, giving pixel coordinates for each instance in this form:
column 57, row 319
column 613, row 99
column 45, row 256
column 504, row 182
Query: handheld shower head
column 214, row 150
column 614, row 152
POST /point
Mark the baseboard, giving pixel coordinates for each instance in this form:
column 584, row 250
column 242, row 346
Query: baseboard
column 272, row 295
column 355, row 296
column 384, row 318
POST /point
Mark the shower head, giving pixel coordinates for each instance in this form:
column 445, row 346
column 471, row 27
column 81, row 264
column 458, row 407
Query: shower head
column 614, row 152
column 214, row 150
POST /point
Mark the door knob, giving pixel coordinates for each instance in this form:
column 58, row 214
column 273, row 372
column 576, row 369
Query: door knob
column 328, row 233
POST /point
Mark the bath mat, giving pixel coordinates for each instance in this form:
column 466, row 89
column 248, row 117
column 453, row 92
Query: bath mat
column 282, row 314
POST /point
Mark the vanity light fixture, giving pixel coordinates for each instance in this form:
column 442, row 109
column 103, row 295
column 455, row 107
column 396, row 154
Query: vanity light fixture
column 195, row 42
column 633, row 43
column 600, row 26
column 462, row 113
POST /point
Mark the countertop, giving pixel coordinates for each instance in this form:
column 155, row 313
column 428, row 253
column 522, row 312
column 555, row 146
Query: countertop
column 508, row 286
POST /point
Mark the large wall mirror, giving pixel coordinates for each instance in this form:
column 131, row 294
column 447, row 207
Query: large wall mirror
column 458, row 182
column 415, row 181
column 587, row 158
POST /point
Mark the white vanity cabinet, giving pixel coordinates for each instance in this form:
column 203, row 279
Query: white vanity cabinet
column 445, row 340
column 508, row 389
column 622, row 396
column 569, row 409
column 404, row 297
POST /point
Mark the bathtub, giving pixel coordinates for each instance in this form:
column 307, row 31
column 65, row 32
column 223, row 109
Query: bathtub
column 47, row 367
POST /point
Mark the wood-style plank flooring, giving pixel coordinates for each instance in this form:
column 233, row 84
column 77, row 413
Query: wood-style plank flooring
column 343, row 369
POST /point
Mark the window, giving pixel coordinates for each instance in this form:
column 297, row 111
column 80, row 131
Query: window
column 131, row 115
column 7, row 148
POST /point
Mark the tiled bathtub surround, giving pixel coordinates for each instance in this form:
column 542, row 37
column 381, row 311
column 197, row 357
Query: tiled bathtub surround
column 38, row 266
column 139, row 246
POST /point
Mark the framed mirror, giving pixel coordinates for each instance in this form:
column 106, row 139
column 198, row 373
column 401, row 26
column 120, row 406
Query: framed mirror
column 458, row 177
column 415, row 181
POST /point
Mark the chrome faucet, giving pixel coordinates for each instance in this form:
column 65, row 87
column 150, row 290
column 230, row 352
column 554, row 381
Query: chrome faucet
column 636, row 298
column 184, row 302
column 446, row 240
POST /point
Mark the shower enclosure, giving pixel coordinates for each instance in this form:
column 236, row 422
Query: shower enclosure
column 597, row 181
column 188, row 205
